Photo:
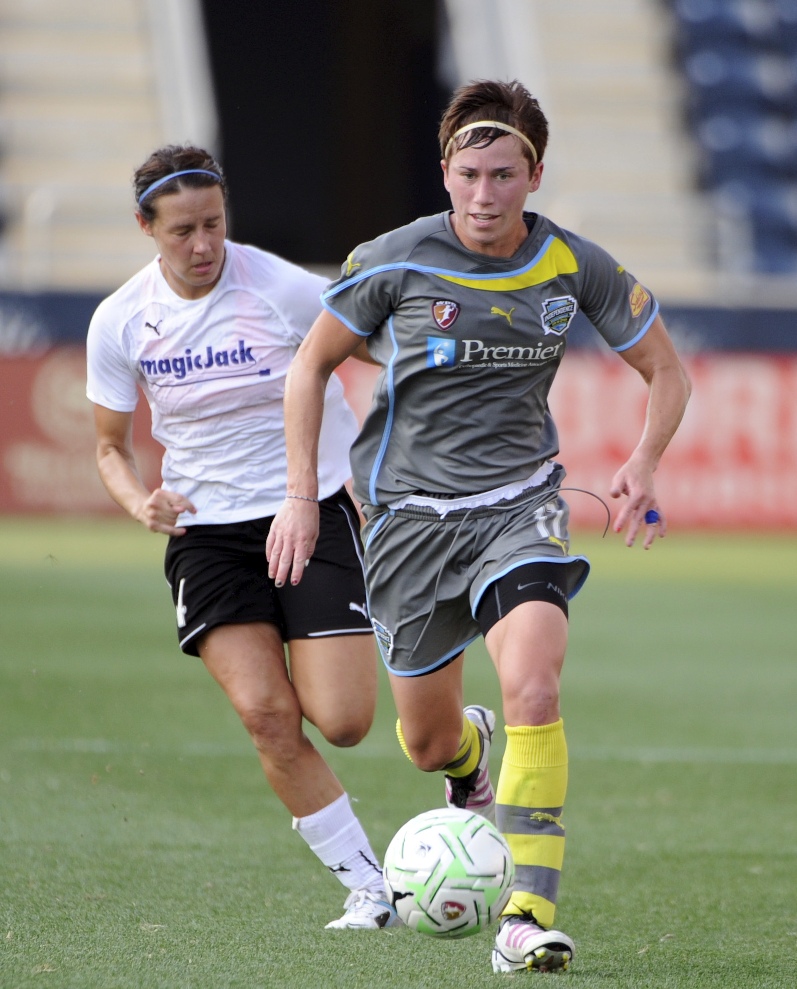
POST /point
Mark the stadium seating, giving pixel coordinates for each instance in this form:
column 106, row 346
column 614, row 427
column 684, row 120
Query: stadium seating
column 739, row 63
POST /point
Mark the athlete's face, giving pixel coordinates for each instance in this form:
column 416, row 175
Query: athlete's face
column 189, row 232
column 488, row 188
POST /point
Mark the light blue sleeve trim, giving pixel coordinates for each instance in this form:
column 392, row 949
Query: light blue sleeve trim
column 522, row 563
column 346, row 323
column 642, row 332
column 432, row 666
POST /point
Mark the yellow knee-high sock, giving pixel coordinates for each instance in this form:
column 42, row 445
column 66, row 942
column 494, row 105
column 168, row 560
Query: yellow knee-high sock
column 468, row 753
column 529, row 802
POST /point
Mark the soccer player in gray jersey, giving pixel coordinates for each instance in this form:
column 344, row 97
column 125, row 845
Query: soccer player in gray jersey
column 467, row 533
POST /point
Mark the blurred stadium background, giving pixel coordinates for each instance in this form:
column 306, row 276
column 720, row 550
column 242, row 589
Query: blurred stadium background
column 674, row 145
column 138, row 844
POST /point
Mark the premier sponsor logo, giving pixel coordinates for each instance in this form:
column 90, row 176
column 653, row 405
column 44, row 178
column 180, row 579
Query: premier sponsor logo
column 440, row 352
column 188, row 362
column 478, row 351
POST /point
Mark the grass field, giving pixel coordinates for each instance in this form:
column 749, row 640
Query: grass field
column 139, row 846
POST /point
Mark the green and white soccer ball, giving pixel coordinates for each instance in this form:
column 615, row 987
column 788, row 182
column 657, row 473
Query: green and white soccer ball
column 448, row 873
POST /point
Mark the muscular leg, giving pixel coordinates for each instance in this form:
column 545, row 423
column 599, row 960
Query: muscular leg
column 528, row 647
column 430, row 711
column 335, row 681
column 248, row 662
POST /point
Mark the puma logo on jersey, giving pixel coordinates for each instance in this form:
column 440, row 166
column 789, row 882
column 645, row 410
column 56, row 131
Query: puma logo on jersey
column 562, row 543
column 154, row 326
column 495, row 311
column 351, row 265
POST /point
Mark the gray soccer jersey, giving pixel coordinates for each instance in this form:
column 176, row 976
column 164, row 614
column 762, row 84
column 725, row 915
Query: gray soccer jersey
column 469, row 346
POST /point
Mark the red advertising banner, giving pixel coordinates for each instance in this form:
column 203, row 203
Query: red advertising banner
column 733, row 463
column 47, row 458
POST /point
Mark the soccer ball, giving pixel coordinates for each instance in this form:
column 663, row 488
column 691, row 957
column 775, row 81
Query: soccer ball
column 448, row 873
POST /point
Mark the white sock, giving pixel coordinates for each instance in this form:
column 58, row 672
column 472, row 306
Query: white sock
column 338, row 839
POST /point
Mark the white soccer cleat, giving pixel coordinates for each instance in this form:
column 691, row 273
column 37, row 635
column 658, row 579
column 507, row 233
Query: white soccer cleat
column 365, row 911
column 523, row 946
column 475, row 792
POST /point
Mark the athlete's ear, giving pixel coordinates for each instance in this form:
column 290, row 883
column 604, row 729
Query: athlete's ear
column 146, row 226
column 444, row 166
column 536, row 177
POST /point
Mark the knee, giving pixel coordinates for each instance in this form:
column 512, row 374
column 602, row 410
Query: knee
column 275, row 730
column 534, row 702
column 345, row 732
column 431, row 754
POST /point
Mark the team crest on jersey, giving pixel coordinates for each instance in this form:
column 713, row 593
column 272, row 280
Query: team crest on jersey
column 638, row 299
column 445, row 313
column 557, row 314
column 384, row 637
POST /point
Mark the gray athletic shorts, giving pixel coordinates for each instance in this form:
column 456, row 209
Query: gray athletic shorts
column 427, row 574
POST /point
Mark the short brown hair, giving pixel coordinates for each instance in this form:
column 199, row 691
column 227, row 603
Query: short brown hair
column 165, row 161
column 507, row 102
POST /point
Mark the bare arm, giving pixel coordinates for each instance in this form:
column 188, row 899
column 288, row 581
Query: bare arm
column 157, row 510
column 294, row 531
column 361, row 354
column 655, row 359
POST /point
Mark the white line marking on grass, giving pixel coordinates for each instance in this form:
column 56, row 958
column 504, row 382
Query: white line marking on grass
column 209, row 750
column 104, row 746
column 99, row 746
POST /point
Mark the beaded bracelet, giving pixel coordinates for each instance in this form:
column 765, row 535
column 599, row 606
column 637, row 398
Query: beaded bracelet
column 302, row 498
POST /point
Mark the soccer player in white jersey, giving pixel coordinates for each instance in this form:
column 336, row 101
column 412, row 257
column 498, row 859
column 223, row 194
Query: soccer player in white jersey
column 468, row 313
column 207, row 330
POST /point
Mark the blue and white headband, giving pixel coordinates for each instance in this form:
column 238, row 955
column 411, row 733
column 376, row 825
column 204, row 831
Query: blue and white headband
column 173, row 175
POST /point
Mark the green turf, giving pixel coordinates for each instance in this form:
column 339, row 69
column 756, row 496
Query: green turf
column 139, row 846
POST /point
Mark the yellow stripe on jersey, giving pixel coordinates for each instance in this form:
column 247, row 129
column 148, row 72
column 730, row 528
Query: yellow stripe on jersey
column 558, row 259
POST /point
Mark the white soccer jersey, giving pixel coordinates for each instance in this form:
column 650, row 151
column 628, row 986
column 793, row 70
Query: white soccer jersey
column 213, row 371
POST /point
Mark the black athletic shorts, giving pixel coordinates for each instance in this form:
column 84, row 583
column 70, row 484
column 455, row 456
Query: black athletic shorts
column 218, row 575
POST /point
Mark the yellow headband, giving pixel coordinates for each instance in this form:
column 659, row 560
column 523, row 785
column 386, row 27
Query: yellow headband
column 492, row 123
